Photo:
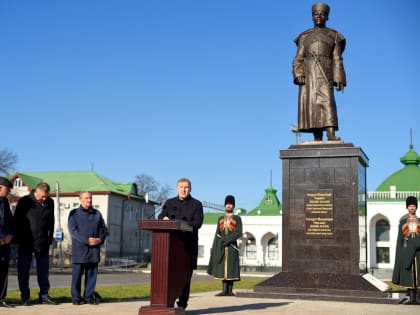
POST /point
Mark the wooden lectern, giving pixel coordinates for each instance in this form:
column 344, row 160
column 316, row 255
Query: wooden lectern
column 170, row 265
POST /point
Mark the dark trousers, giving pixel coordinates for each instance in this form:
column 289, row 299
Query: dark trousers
column 4, row 269
column 24, row 269
column 90, row 271
column 184, row 297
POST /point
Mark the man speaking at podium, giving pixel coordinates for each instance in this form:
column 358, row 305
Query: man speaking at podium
column 185, row 208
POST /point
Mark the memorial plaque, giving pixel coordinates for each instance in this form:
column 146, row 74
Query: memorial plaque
column 319, row 213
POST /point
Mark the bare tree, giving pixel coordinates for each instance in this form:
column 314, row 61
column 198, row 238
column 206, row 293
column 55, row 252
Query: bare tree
column 164, row 192
column 7, row 161
column 148, row 184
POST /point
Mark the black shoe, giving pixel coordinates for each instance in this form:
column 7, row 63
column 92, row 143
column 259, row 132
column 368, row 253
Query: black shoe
column 221, row 294
column 77, row 303
column 3, row 303
column 181, row 307
column 92, row 302
column 26, row 303
column 47, row 300
column 97, row 296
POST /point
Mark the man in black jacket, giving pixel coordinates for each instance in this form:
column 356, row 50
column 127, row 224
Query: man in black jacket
column 34, row 219
column 186, row 208
column 6, row 234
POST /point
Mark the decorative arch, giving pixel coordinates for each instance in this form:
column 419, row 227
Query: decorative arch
column 379, row 228
column 248, row 246
column 382, row 228
column 270, row 248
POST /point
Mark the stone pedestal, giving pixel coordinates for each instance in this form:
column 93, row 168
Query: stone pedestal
column 324, row 192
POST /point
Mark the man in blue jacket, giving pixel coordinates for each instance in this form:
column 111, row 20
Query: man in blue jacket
column 6, row 234
column 88, row 232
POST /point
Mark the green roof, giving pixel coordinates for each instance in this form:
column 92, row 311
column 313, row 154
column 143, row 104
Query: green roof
column 406, row 179
column 29, row 180
column 269, row 205
column 72, row 182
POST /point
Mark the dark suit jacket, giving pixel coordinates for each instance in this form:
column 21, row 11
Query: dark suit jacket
column 6, row 228
column 189, row 210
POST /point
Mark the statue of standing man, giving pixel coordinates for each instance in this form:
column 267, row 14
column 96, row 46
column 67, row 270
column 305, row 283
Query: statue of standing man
column 317, row 69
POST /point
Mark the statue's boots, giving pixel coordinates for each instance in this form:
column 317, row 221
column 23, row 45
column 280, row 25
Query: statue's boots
column 317, row 134
column 331, row 134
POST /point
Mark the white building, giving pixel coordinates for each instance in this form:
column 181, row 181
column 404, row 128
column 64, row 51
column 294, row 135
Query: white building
column 386, row 207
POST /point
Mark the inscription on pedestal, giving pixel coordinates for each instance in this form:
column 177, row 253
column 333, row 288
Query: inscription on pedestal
column 319, row 213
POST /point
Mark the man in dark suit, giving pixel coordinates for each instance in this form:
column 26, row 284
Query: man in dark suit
column 6, row 234
column 186, row 208
column 34, row 219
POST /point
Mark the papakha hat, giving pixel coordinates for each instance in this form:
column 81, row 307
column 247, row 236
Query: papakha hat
column 321, row 7
column 411, row 201
column 230, row 199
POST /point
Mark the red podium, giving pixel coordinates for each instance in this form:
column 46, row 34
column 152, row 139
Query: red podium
column 170, row 265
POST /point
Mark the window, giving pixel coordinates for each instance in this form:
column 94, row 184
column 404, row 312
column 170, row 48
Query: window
column 17, row 182
column 382, row 255
column 382, row 231
column 268, row 201
column 200, row 251
column 251, row 248
column 272, row 249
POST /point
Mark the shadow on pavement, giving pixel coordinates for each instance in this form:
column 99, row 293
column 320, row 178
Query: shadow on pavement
column 235, row 308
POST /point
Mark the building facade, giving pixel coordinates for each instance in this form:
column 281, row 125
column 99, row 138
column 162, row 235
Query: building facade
column 386, row 207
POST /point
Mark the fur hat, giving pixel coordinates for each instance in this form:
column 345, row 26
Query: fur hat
column 411, row 201
column 230, row 199
column 321, row 7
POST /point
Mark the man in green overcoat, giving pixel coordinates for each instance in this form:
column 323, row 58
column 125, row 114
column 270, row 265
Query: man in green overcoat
column 224, row 259
column 407, row 256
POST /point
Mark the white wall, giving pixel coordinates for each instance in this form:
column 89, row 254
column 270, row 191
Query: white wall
column 392, row 212
column 260, row 227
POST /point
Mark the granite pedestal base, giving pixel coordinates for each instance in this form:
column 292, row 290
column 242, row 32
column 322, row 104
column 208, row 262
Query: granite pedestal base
column 315, row 286
column 323, row 226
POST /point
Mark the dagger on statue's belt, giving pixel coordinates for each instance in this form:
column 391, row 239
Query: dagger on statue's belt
column 320, row 68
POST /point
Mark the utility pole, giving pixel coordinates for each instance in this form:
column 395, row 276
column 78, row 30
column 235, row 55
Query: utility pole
column 59, row 231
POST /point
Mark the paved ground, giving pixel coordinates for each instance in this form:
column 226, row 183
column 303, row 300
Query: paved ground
column 207, row 303
column 204, row 303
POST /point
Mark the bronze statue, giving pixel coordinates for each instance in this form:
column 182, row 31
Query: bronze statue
column 317, row 68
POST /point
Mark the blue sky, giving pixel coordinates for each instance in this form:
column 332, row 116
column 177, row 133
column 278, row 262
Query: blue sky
column 196, row 88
